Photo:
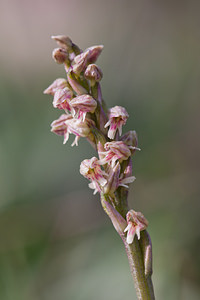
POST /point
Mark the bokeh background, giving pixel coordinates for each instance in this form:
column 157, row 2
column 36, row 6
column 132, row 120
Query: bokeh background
column 55, row 240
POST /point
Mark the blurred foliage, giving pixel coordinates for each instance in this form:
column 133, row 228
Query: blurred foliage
column 56, row 242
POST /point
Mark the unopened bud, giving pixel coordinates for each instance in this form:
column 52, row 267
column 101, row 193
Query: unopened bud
column 80, row 62
column 93, row 73
column 94, row 53
column 63, row 41
column 60, row 55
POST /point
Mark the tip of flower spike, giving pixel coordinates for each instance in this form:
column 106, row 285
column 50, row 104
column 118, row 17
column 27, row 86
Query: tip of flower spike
column 63, row 41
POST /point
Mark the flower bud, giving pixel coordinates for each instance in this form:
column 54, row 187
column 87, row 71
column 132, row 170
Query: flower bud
column 63, row 41
column 94, row 53
column 80, row 62
column 59, row 83
column 93, row 73
column 60, row 55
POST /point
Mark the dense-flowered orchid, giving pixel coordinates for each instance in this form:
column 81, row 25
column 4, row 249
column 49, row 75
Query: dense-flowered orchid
column 110, row 174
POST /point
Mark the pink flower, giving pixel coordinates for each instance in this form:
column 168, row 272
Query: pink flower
column 91, row 169
column 66, row 125
column 116, row 150
column 81, row 105
column 78, row 128
column 136, row 223
column 59, row 83
column 117, row 117
column 62, row 98
column 59, row 126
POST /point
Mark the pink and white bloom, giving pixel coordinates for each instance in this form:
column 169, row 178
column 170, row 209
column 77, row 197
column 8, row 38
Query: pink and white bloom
column 136, row 223
column 59, row 83
column 62, row 98
column 117, row 117
column 116, row 150
column 81, row 105
column 59, row 126
column 78, row 128
column 91, row 169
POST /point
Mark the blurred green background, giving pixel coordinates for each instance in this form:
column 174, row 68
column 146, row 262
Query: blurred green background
column 55, row 240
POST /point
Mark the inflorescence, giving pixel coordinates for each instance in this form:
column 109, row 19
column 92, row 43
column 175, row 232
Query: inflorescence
column 85, row 115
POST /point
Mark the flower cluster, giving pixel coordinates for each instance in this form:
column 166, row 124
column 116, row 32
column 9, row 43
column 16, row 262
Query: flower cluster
column 84, row 115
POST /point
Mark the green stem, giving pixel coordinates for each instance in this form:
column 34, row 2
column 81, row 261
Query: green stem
column 143, row 284
column 139, row 253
